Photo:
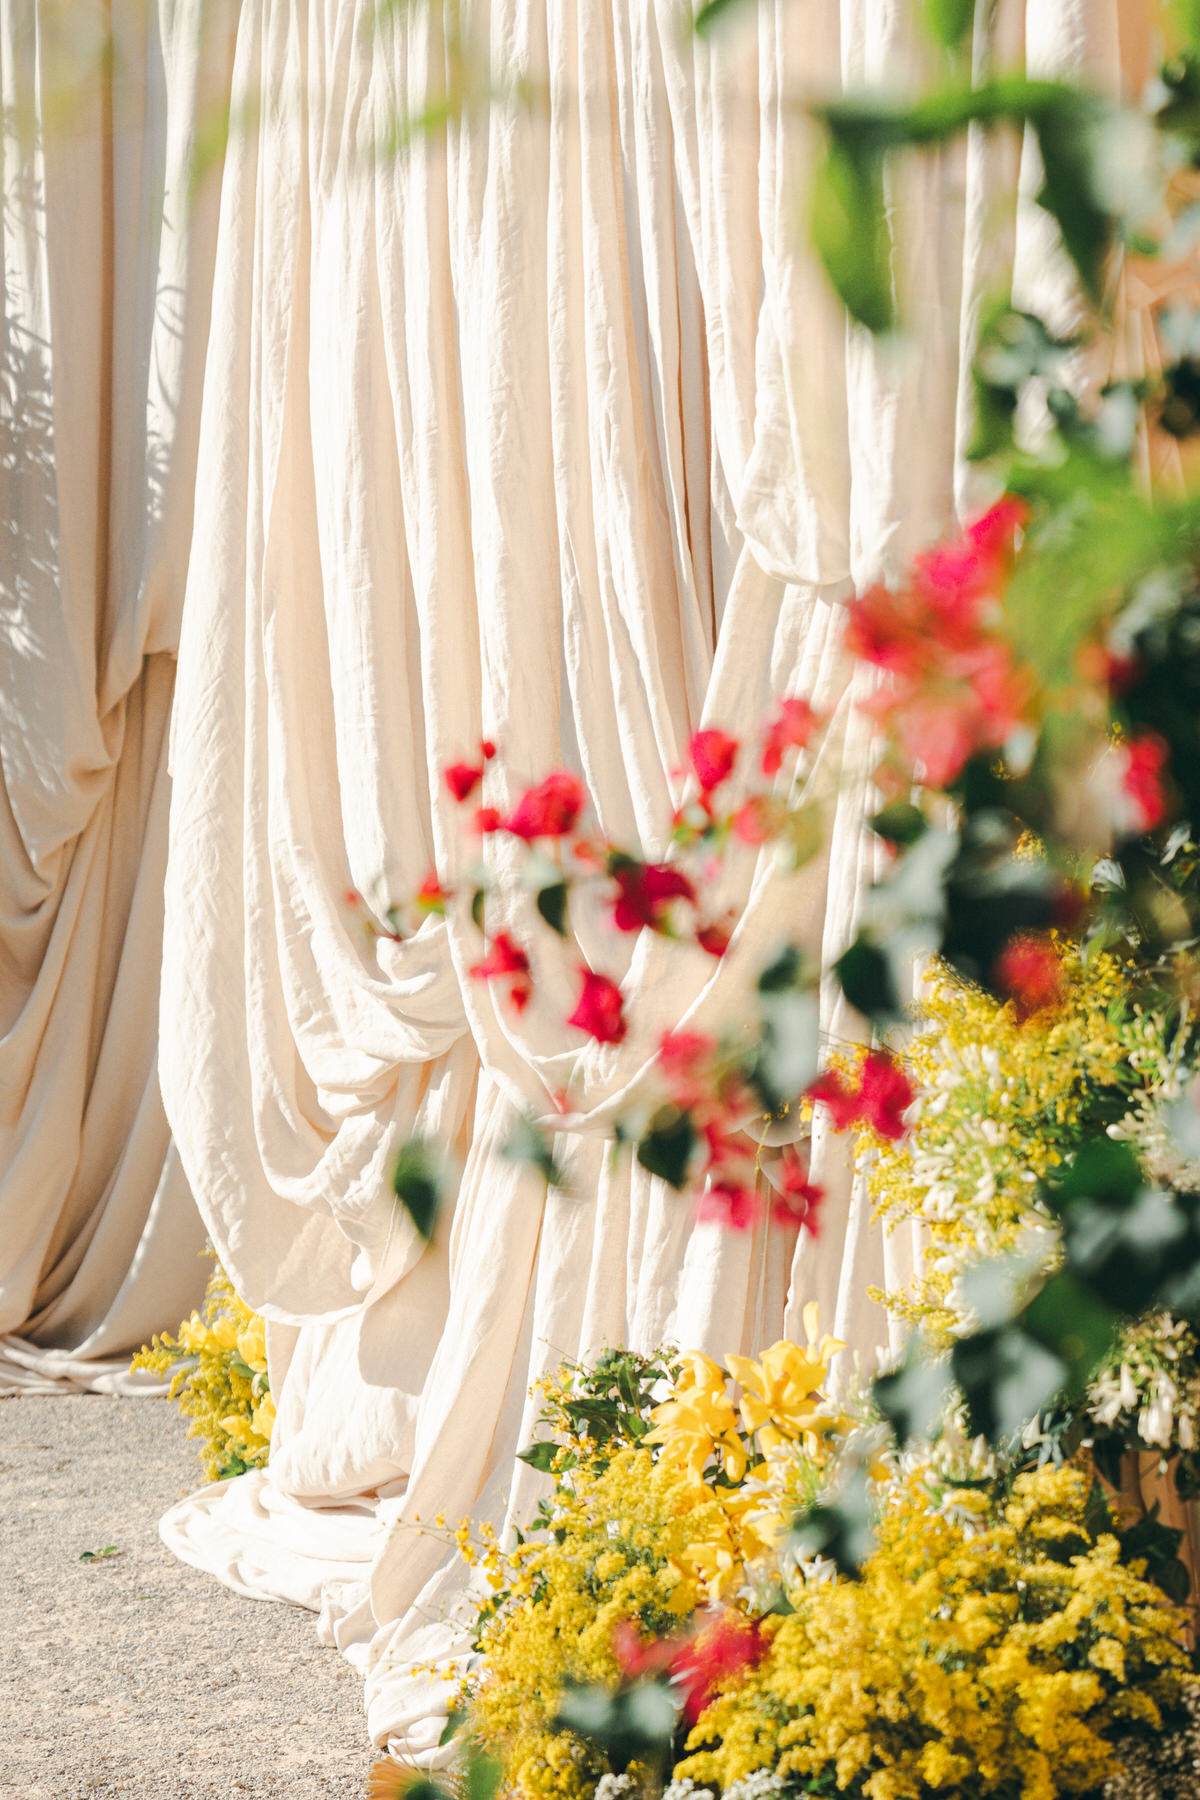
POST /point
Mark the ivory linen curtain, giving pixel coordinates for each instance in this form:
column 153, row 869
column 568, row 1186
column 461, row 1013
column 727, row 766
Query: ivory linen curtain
column 545, row 430
column 107, row 275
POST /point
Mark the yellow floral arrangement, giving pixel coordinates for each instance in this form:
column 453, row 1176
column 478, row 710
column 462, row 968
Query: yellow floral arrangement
column 998, row 1650
column 1001, row 1101
column 646, row 1526
column 220, row 1380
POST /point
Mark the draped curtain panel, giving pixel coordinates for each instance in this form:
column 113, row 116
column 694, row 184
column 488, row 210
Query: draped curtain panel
column 544, row 429
column 107, row 279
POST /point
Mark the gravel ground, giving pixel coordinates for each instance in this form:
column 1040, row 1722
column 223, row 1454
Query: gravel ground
column 134, row 1675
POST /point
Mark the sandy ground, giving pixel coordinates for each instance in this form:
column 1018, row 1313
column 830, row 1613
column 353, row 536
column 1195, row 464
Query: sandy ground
column 133, row 1675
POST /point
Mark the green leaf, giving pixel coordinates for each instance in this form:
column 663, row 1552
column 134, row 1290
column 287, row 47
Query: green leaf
column 552, row 904
column 477, row 904
column 948, row 21
column 1068, row 134
column 913, row 1395
column 484, row 1775
column 529, row 1143
column 843, row 1531
column 899, row 823
column 710, row 14
column 1006, row 1378
column 637, row 1721
column 454, row 1723
column 850, row 230
column 1074, row 1324
column 666, row 1147
column 865, row 976
column 790, row 1053
column 539, row 1456
column 417, row 1180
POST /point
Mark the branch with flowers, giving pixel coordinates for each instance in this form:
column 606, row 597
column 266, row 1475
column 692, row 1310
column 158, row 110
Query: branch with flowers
column 994, row 1628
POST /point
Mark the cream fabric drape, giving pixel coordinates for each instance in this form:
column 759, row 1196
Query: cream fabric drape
column 546, row 430
column 107, row 277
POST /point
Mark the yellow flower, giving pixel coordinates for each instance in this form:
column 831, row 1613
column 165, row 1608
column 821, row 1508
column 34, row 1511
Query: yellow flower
column 218, row 1364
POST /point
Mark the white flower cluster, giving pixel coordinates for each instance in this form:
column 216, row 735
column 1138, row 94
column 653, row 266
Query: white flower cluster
column 686, row 1789
column 1155, row 1379
column 610, row 1786
column 763, row 1784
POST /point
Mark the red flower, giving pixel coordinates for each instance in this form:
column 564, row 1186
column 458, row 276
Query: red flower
column 937, row 733
column 599, row 1009
column 680, row 1052
column 1029, row 971
column 644, row 891
column 487, row 749
column 955, row 576
column 884, row 1094
column 791, row 729
column 548, row 810
column 462, row 779
column 830, row 1090
column 713, row 1658
column 487, row 819
column 728, row 1202
column 431, row 895
column 713, row 754
column 506, row 959
column 753, row 823
column 1145, row 758
column 637, row 1658
column 882, row 629
column 714, row 938
column 351, row 897
column 798, row 1199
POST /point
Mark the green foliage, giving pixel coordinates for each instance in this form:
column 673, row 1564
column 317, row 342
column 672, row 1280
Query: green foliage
column 418, row 1180
column 531, row 1144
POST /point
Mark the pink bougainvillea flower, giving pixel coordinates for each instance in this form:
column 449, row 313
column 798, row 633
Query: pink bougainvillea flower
column 1029, row 971
column 638, row 1657
column 884, row 1094
column 683, row 1052
column 798, row 1198
column 431, row 895
column 644, row 892
column 884, row 629
column 548, row 810
column 791, row 729
column 487, row 749
column 955, row 577
column 728, row 1202
column 712, row 754
column 1144, row 763
column 462, row 779
column 599, row 1010
column 487, row 820
column 717, row 1654
column 505, row 960
column 831, row 1091
column 938, row 735
column 754, row 822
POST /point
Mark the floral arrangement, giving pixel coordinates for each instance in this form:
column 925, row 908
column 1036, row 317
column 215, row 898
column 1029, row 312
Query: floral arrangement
column 661, row 1513
column 218, row 1368
column 1004, row 1096
column 661, row 1622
